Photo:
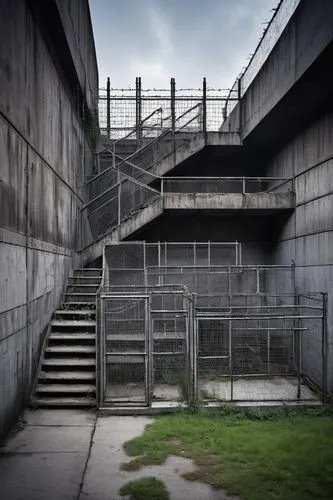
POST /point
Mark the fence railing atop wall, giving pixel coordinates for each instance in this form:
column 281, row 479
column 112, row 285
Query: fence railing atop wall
column 138, row 113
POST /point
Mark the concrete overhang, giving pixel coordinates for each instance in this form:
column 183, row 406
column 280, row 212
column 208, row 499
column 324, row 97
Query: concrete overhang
column 229, row 201
column 209, row 203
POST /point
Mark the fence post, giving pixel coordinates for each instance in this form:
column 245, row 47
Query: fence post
column 239, row 96
column 138, row 117
column 204, row 109
column 324, row 346
column 173, row 115
column 243, row 181
column 119, row 201
column 298, row 347
column 108, row 108
column 230, row 362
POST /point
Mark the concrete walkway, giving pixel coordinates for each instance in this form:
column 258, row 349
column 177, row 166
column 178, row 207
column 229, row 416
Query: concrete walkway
column 66, row 455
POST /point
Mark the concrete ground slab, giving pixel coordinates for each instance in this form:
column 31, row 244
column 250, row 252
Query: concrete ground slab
column 51, row 459
column 104, row 478
column 247, row 389
column 42, row 476
column 45, row 459
column 49, row 417
column 50, row 439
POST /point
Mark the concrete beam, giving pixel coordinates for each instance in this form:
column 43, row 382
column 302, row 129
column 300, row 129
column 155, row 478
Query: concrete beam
column 210, row 202
column 229, row 201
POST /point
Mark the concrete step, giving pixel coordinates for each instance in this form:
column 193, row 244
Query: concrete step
column 82, row 323
column 64, row 402
column 60, row 336
column 62, row 375
column 85, row 280
column 75, row 349
column 75, row 314
column 60, row 388
column 78, row 305
column 88, row 272
column 82, row 288
column 69, row 361
column 80, row 297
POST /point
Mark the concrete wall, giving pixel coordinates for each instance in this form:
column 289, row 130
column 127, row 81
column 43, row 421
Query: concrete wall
column 307, row 235
column 306, row 35
column 43, row 156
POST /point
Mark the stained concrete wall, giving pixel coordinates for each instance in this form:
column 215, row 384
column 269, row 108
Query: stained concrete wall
column 307, row 34
column 307, row 235
column 43, row 155
column 285, row 117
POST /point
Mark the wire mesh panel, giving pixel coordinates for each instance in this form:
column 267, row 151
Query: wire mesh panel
column 125, row 335
column 169, row 350
column 256, row 351
column 213, row 359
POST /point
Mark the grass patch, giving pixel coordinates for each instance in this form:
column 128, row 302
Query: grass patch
column 146, row 488
column 257, row 454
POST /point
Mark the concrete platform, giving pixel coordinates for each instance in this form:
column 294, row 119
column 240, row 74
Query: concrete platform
column 252, row 389
column 75, row 455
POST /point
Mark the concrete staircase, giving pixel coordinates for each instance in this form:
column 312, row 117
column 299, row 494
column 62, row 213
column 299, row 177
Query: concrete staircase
column 67, row 373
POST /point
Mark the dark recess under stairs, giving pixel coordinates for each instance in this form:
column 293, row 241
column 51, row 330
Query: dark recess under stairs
column 67, row 375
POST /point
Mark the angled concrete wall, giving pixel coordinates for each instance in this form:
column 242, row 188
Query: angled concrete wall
column 43, row 156
column 307, row 236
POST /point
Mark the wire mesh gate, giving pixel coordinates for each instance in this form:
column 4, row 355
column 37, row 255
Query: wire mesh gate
column 144, row 348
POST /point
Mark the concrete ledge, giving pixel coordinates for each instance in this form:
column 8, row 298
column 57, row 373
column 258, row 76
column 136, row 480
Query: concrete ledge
column 174, row 406
column 229, row 201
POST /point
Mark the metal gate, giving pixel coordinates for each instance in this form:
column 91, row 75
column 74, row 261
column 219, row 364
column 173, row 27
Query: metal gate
column 124, row 350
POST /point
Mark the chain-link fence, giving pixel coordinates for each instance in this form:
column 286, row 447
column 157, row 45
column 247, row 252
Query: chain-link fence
column 179, row 324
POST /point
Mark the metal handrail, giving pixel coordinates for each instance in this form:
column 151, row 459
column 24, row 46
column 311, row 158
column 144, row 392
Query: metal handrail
column 145, row 146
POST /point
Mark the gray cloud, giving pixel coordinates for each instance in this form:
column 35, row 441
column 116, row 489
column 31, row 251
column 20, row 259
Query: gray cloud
column 187, row 39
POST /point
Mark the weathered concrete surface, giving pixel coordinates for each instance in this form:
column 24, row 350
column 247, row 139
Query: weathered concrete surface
column 43, row 156
column 229, row 201
column 47, row 458
column 305, row 37
column 72, row 454
column 194, row 146
column 307, row 235
column 104, row 477
column 205, row 202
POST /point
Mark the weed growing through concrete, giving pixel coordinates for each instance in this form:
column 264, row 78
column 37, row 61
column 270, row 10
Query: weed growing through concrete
column 256, row 454
column 146, row 488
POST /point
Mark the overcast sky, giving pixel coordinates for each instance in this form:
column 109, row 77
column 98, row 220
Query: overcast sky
column 185, row 39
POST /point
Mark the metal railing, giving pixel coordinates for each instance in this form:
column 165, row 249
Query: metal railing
column 244, row 185
column 128, row 194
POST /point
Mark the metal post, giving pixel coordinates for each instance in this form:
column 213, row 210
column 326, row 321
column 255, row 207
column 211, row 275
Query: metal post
column 230, row 363
column 138, row 117
column 173, row 114
column 268, row 347
column 204, row 109
column 108, row 108
column 239, row 89
column 194, row 350
column 149, row 351
column 298, row 346
column 324, row 346
column 243, row 183
column 119, row 202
